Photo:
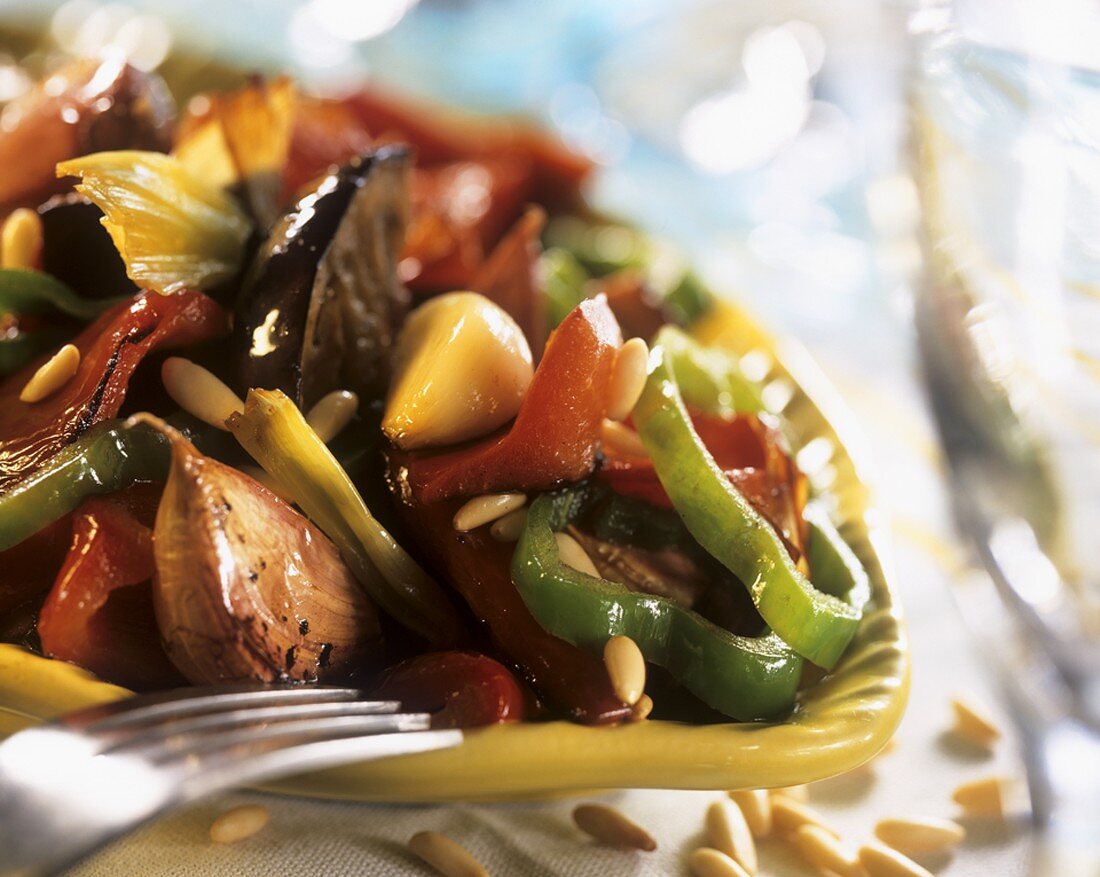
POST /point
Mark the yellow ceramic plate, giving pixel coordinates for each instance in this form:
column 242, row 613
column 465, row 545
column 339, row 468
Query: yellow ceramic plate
column 840, row 722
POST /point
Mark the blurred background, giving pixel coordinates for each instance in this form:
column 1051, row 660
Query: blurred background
column 911, row 190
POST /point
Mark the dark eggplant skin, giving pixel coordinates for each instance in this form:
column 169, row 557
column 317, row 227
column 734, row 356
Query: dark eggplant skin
column 321, row 303
column 78, row 250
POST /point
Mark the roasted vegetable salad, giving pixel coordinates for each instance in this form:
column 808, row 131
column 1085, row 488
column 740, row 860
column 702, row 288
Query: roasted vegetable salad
column 353, row 390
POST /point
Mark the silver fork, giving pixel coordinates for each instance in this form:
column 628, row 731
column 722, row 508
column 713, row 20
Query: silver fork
column 70, row 786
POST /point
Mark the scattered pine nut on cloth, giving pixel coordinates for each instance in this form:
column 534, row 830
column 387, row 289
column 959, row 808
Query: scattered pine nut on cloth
column 317, row 838
column 239, row 823
column 446, row 856
column 612, row 827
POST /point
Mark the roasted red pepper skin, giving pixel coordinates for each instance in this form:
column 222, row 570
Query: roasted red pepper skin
column 110, row 349
column 99, row 614
column 509, row 278
column 556, row 435
column 479, row 568
column 459, row 212
column 459, row 689
column 440, row 135
column 325, row 134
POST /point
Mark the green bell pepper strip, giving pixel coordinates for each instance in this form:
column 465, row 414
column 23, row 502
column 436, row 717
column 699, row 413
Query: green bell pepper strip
column 626, row 521
column 688, row 299
column 834, row 566
column 563, row 280
column 601, row 248
column 108, row 457
column 25, row 291
column 709, row 378
column 817, row 625
column 743, row 677
column 274, row 432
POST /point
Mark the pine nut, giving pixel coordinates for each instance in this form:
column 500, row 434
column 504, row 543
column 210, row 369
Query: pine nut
column 974, row 725
column 573, row 556
column 642, row 709
column 728, row 832
column 795, row 793
column 881, row 861
column 628, row 378
column 240, row 822
column 788, row 815
column 21, row 239
column 445, row 856
column 621, row 440
column 332, row 413
column 919, row 835
column 52, row 375
column 826, row 853
column 509, row 527
column 705, row 862
column 756, row 807
column 609, row 826
column 485, row 509
column 626, row 666
column 983, row 797
column 199, row 392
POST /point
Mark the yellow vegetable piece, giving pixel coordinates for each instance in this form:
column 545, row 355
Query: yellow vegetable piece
column 461, row 369
column 173, row 229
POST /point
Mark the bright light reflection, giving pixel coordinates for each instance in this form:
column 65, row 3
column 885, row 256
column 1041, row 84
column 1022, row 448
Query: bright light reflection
column 1030, row 571
column 263, row 336
column 313, row 44
column 356, row 20
column 745, row 127
column 63, row 766
column 145, row 39
column 773, row 59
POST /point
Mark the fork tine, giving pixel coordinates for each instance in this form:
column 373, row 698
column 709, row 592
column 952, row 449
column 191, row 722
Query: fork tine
column 185, row 702
column 204, row 750
column 168, row 733
column 308, row 756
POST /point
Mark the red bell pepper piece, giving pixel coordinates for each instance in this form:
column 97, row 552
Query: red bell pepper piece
column 442, row 135
column 635, row 304
column 110, row 349
column 750, row 452
column 509, row 277
column 479, row 568
column 86, row 106
column 459, row 211
column 460, row 689
column 325, row 133
column 556, row 435
column 28, row 569
column 99, row 614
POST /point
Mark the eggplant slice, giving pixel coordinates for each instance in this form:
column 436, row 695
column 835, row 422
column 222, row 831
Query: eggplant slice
column 246, row 588
column 78, row 250
column 322, row 302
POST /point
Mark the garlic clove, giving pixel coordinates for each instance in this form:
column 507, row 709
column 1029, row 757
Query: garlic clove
column 247, row 589
column 461, row 369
